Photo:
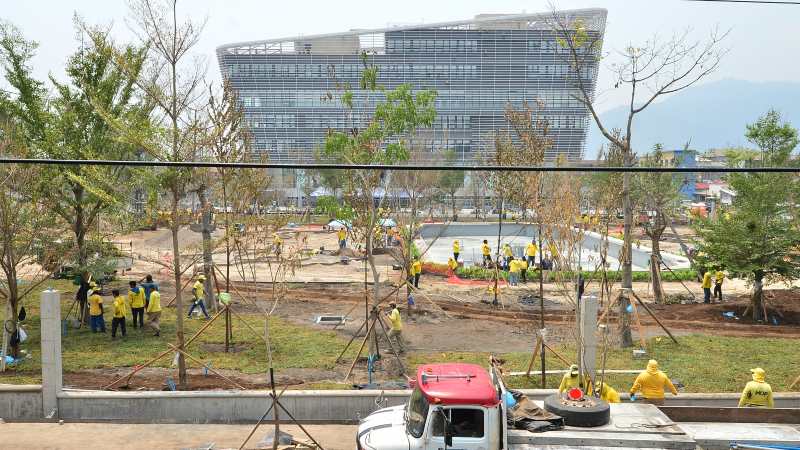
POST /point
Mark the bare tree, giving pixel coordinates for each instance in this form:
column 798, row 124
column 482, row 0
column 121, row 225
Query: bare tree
column 654, row 69
column 172, row 83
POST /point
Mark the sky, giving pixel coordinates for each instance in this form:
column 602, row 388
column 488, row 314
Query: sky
column 763, row 44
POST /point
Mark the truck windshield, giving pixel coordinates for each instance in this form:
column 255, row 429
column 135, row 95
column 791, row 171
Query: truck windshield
column 416, row 413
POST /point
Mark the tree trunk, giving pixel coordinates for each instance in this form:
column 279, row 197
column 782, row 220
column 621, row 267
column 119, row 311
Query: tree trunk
column 655, row 274
column 176, row 267
column 79, row 227
column 626, row 339
column 208, row 262
column 453, row 205
column 757, row 299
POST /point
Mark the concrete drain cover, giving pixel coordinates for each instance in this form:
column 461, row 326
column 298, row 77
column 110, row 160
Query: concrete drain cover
column 330, row 320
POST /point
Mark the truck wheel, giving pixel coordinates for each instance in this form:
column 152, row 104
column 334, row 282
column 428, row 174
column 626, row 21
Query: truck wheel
column 587, row 412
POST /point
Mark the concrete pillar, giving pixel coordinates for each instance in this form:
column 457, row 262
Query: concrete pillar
column 51, row 352
column 588, row 325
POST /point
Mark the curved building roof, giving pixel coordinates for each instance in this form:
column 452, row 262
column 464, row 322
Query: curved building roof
column 594, row 19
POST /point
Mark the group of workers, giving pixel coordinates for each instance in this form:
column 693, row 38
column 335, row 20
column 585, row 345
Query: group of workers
column 651, row 384
column 140, row 299
column 718, row 276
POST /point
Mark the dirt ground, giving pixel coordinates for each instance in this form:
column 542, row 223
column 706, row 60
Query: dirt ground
column 324, row 286
column 79, row 436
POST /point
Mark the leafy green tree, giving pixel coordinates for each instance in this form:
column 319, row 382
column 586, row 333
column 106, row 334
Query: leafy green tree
column 376, row 138
column 658, row 194
column 68, row 126
column 758, row 236
column 26, row 234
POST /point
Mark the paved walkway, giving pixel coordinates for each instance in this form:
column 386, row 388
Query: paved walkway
column 40, row 436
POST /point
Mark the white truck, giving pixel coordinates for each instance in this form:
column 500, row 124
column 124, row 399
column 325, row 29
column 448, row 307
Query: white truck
column 461, row 407
column 463, row 396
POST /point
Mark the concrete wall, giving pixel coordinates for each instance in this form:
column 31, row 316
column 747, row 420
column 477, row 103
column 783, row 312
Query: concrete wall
column 25, row 403
column 22, row 402
column 222, row 406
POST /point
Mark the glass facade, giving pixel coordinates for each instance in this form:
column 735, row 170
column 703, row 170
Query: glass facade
column 289, row 87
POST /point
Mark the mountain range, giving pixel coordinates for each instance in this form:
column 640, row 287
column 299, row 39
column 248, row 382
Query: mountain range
column 712, row 115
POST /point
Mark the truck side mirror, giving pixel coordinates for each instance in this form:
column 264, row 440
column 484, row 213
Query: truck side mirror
column 448, row 434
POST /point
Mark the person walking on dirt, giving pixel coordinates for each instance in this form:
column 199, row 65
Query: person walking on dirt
column 199, row 293
column 342, row 236
column 530, row 253
column 456, row 249
column 154, row 311
column 707, row 287
column 513, row 272
column 719, row 277
column 148, row 287
column 396, row 332
column 136, row 302
column 118, row 319
column 277, row 244
column 416, row 270
column 757, row 393
column 486, row 251
column 651, row 384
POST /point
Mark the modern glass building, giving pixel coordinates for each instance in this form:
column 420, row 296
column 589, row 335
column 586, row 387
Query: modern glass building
column 289, row 87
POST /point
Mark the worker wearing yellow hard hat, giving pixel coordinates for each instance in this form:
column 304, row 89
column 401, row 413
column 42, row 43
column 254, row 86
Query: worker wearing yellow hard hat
column 757, row 393
column 651, row 383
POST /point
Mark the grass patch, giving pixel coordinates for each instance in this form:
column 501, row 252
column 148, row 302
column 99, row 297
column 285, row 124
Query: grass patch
column 294, row 346
column 702, row 363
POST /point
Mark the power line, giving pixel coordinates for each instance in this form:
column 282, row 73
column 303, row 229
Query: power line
column 319, row 166
column 765, row 2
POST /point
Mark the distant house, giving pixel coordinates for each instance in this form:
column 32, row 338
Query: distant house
column 685, row 158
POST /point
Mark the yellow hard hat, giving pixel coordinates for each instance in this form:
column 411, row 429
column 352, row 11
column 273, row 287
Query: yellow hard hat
column 201, row 277
column 759, row 374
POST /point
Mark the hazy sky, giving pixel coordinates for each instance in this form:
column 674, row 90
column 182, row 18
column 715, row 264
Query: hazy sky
column 763, row 42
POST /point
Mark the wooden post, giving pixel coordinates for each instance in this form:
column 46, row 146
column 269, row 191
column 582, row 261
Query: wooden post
column 646, row 308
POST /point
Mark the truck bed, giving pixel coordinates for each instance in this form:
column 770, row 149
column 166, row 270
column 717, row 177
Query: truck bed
column 632, row 425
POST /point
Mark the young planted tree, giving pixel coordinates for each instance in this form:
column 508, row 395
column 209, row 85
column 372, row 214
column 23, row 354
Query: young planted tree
column 171, row 82
column 757, row 237
column 649, row 71
column 376, row 138
column 69, row 126
column 25, row 229
column 659, row 195
column 451, row 181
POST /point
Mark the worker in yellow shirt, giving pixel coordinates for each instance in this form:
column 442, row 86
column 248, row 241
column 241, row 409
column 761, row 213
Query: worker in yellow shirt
column 396, row 332
column 456, row 249
column 136, row 302
column 530, row 253
column 96, row 310
column 608, row 393
column 719, row 277
column 513, row 272
column 651, row 384
column 118, row 320
column 416, row 271
column 508, row 255
column 486, row 251
column 523, row 270
column 342, row 236
column 154, row 311
column 757, row 393
column 277, row 244
column 452, row 265
column 707, row 287
column 573, row 379
column 199, row 294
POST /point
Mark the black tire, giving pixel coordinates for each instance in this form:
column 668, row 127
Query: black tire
column 590, row 416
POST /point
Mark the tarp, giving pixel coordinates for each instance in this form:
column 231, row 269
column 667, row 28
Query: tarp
column 525, row 415
column 339, row 224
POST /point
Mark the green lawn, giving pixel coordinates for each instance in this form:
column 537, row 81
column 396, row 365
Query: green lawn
column 293, row 346
column 703, row 363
